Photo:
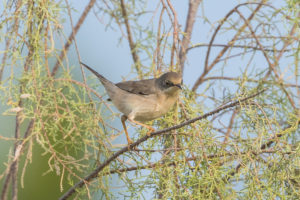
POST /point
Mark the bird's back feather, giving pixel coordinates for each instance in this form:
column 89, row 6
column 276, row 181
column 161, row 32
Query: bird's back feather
column 142, row 87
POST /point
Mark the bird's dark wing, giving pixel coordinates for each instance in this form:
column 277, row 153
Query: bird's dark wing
column 142, row 87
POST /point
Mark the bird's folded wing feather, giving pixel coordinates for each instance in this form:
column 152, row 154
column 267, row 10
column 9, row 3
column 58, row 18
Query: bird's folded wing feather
column 142, row 87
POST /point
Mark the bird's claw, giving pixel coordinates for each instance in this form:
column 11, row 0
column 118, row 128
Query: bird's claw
column 130, row 142
column 151, row 131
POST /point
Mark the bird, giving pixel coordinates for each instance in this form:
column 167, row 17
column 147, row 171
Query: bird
column 143, row 100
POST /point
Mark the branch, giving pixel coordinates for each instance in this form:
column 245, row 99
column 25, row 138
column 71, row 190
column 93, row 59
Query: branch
column 72, row 35
column 207, row 67
column 175, row 32
column 271, row 65
column 135, row 57
column 237, row 46
column 190, row 20
column 94, row 174
column 12, row 167
column 8, row 39
column 193, row 158
column 250, row 80
column 265, row 146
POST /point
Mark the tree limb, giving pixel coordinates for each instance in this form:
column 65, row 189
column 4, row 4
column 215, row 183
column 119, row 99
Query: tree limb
column 135, row 57
column 72, row 35
column 190, row 20
column 207, row 67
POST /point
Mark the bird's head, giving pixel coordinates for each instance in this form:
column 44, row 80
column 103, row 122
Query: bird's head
column 170, row 83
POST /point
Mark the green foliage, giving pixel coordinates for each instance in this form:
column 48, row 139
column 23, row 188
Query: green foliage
column 247, row 152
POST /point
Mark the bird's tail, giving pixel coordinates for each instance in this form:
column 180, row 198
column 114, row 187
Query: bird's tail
column 103, row 80
column 110, row 87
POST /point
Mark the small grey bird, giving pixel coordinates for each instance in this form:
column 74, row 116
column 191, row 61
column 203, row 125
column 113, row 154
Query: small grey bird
column 143, row 100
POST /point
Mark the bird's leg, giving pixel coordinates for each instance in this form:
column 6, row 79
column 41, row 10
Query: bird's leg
column 150, row 128
column 123, row 119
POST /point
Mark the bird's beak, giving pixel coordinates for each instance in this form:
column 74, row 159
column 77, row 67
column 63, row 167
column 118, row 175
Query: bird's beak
column 178, row 85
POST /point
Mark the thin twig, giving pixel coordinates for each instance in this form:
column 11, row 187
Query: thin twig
column 13, row 165
column 263, row 147
column 14, row 168
column 132, row 45
column 158, row 43
column 175, row 32
column 186, row 160
column 248, row 80
column 231, row 122
column 271, row 65
column 72, row 35
column 236, row 46
column 207, row 67
column 8, row 40
column 190, row 20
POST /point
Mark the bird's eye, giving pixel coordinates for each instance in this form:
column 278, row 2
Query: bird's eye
column 168, row 83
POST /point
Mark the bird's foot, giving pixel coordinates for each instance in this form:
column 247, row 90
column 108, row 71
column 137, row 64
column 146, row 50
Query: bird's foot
column 129, row 143
column 151, row 130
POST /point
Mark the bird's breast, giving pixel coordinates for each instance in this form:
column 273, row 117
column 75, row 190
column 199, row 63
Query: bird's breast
column 143, row 107
column 153, row 106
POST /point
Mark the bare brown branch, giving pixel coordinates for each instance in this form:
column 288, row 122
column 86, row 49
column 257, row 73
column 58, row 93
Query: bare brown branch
column 248, row 80
column 72, row 35
column 264, row 146
column 271, row 65
column 190, row 20
column 207, row 67
column 237, row 46
column 175, row 32
column 135, row 57
column 7, row 44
